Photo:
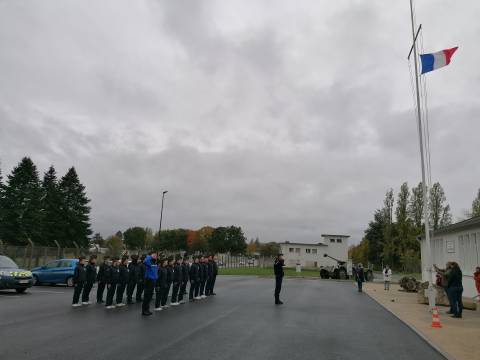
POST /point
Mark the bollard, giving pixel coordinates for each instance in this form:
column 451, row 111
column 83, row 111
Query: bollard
column 58, row 248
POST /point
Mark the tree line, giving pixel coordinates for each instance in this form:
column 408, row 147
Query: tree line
column 207, row 239
column 391, row 236
column 43, row 211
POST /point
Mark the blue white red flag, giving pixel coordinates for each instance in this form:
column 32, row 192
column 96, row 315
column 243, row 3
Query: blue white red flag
column 436, row 60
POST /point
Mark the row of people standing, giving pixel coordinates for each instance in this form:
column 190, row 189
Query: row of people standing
column 164, row 274
column 147, row 275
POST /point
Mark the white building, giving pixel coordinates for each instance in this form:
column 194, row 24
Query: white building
column 458, row 242
column 312, row 255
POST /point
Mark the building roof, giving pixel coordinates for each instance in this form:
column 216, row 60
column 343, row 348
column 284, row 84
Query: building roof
column 329, row 235
column 459, row 226
column 304, row 244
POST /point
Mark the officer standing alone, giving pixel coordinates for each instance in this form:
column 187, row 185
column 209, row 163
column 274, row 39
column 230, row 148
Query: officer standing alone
column 278, row 270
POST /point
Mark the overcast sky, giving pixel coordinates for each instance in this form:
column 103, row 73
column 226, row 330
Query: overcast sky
column 288, row 118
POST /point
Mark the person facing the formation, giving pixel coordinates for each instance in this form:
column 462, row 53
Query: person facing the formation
column 79, row 277
column 101, row 279
column 278, row 270
column 91, row 274
column 151, row 275
column 112, row 277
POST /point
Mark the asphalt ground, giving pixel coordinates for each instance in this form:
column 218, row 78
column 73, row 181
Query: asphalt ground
column 321, row 319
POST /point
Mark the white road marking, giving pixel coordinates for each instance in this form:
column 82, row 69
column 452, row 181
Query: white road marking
column 48, row 292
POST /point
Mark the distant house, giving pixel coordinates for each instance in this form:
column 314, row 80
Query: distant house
column 459, row 242
column 312, row 255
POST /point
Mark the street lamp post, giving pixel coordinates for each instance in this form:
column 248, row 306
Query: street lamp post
column 161, row 216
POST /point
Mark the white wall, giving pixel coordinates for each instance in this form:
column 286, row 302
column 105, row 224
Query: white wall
column 462, row 247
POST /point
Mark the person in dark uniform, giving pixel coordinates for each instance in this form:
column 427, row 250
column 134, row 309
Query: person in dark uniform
column 79, row 278
column 455, row 289
column 177, row 281
column 161, row 283
column 203, row 277
column 133, row 275
column 360, row 277
column 278, row 270
column 112, row 276
column 151, row 275
column 214, row 274
column 194, row 277
column 185, row 275
column 208, row 262
column 91, row 275
column 141, row 279
column 122, row 280
column 101, row 278
column 169, row 279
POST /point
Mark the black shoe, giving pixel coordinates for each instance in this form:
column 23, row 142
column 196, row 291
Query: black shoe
column 213, row 294
column 147, row 313
column 130, row 302
column 278, row 302
column 457, row 316
column 449, row 312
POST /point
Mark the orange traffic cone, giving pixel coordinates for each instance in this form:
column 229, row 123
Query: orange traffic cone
column 435, row 318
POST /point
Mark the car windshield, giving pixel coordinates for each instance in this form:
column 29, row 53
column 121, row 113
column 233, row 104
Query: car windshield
column 7, row 263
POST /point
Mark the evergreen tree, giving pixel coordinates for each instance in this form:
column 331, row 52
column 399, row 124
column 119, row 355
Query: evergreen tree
column 374, row 234
column 22, row 205
column 135, row 237
column 439, row 211
column 53, row 216
column 476, row 205
column 75, row 209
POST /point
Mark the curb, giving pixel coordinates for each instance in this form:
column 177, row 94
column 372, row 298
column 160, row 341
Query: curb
column 442, row 352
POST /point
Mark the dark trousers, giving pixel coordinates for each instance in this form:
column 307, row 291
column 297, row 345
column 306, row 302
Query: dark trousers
column 212, row 284
column 149, row 284
column 77, row 291
column 197, row 288
column 165, row 291
column 278, row 287
column 120, row 291
column 183, row 289
column 86, row 291
column 191, row 293
column 359, row 284
column 138, row 295
column 202, row 287
column 158, row 296
column 130, row 288
column 110, row 293
column 100, row 290
column 456, row 295
column 175, row 289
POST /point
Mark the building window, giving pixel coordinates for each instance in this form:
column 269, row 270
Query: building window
column 314, row 251
column 339, row 240
column 290, row 250
column 307, row 251
column 297, row 250
column 332, row 240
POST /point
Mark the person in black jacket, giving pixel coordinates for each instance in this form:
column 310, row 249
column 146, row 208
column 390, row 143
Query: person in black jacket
column 161, row 284
column 455, row 289
column 278, row 270
column 79, row 277
column 112, row 276
column 213, row 261
column 204, row 280
column 91, row 274
column 208, row 262
column 122, row 280
column 360, row 277
column 194, row 277
column 141, row 279
column 183, row 288
column 169, row 279
column 101, row 278
column 133, row 275
column 177, row 281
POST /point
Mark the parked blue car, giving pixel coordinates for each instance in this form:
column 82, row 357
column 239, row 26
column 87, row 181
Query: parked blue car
column 55, row 272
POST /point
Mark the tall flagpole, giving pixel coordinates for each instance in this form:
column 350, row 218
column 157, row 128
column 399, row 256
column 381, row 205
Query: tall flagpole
column 428, row 250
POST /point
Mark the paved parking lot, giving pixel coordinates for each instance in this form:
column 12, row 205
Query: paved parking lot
column 320, row 320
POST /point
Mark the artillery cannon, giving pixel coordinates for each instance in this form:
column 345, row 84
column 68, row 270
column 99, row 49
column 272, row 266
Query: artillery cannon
column 338, row 271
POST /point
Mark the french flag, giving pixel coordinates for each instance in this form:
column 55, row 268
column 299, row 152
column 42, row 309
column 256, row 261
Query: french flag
column 436, row 60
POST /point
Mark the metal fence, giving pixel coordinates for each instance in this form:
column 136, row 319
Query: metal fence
column 30, row 256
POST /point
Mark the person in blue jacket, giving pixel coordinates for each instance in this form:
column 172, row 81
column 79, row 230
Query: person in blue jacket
column 151, row 275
